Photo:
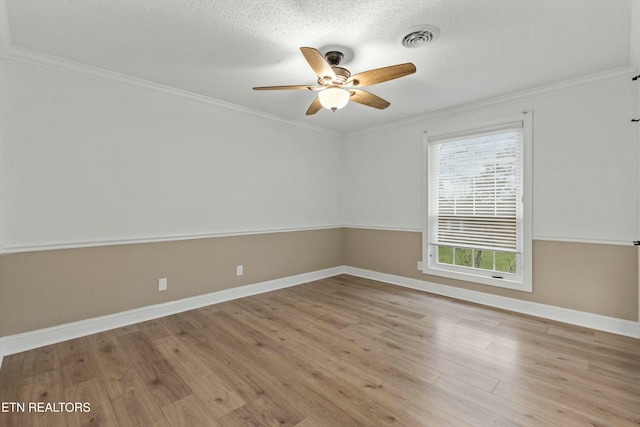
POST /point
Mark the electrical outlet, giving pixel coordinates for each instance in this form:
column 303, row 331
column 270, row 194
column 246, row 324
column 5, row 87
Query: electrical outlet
column 420, row 265
column 239, row 270
column 162, row 284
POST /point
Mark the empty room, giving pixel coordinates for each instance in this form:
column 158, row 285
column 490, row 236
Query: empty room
column 337, row 213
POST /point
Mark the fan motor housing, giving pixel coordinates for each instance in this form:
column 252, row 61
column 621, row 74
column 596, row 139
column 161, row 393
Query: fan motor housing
column 334, row 58
column 341, row 73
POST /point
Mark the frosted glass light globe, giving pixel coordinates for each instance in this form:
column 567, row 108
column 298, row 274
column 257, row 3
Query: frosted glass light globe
column 333, row 98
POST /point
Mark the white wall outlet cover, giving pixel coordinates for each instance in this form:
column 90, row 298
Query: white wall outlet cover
column 162, row 284
column 239, row 270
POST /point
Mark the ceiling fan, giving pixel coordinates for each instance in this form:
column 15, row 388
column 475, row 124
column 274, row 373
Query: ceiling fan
column 337, row 86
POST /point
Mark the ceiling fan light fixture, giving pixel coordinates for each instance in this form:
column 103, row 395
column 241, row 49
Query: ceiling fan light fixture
column 333, row 79
column 333, row 98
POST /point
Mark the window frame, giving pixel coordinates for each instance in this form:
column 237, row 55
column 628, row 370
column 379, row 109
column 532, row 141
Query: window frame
column 523, row 281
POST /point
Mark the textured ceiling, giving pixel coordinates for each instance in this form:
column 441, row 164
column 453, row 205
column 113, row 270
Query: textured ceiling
column 222, row 48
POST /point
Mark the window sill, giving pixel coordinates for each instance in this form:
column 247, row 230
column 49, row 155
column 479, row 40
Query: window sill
column 483, row 280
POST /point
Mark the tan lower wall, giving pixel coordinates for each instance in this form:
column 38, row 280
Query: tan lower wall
column 601, row 279
column 47, row 288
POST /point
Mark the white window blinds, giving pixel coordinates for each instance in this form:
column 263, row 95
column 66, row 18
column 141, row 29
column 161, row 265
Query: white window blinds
column 475, row 189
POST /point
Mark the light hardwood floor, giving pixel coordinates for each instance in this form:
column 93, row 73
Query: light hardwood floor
column 342, row 351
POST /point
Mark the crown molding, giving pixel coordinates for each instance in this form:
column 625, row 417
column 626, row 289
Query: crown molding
column 8, row 51
column 96, row 73
column 615, row 74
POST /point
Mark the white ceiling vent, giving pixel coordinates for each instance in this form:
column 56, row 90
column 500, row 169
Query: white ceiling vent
column 420, row 36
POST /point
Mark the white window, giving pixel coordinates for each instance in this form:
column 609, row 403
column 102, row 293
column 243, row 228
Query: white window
column 478, row 216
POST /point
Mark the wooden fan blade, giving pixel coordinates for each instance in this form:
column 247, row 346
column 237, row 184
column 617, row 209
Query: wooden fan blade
column 293, row 87
column 314, row 107
column 317, row 62
column 368, row 99
column 379, row 75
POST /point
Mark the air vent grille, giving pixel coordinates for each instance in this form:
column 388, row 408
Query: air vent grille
column 420, row 36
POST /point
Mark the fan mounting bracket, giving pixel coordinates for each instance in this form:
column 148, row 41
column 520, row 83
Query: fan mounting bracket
column 334, row 58
column 347, row 54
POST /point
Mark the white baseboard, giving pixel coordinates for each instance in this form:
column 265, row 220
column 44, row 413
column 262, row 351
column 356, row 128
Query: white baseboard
column 41, row 337
column 565, row 315
column 34, row 339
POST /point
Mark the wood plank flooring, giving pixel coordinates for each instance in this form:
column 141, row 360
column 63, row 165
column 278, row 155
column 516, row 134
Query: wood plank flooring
column 342, row 351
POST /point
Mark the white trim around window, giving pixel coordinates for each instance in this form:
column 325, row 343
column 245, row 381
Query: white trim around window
column 453, row 228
